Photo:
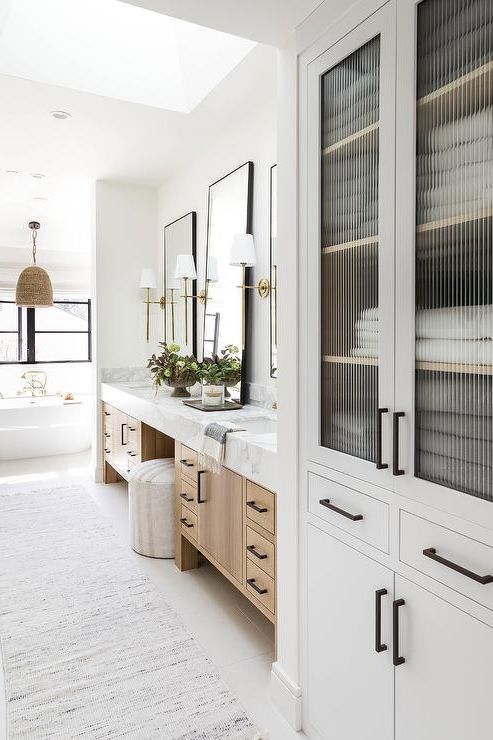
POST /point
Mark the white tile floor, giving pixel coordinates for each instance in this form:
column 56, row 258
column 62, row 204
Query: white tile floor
column 231, row 631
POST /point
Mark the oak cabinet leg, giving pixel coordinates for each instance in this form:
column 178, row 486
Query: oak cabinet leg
column 187, row 556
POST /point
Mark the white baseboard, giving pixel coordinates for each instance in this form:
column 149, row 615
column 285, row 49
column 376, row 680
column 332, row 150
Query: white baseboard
column 98, row 475
column 286, row 696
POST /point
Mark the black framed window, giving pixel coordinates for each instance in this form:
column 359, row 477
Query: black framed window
column 61, row 333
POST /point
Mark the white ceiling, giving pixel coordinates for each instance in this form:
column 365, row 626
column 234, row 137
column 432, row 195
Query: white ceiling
column 104, row 139
column 265, row 21
column 117, row 50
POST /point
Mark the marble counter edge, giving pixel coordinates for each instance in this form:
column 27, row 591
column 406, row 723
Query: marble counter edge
column 252, row 459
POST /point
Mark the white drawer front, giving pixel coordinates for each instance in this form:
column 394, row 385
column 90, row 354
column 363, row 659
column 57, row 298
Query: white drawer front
column 418, row 535
column 370, row 517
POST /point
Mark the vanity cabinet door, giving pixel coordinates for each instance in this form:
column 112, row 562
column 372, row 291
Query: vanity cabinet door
column 220, row 519
column 119, row 440
column 350, row 175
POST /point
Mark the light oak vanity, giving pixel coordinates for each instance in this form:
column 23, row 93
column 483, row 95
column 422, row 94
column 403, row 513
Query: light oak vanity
column 231, row 521
column 228, row 518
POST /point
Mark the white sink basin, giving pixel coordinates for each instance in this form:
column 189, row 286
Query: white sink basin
column 257, row 425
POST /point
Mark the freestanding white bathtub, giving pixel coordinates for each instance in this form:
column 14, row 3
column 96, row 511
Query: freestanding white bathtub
column 37, row 427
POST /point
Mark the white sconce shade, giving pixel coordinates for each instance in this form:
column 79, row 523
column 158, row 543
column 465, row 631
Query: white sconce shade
column 243, row 250
column 148, row 279
column 185, row 267
column 212, row 271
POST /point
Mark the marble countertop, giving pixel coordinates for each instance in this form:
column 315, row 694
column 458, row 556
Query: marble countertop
column 252, row 453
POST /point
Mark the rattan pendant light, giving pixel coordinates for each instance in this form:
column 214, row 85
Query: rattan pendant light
column 34, row 284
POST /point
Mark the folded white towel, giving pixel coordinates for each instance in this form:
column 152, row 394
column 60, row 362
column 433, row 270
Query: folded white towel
column 458, row 322
column 365, row 351
column 211, row 454
column 469, row 351
column 463, row 425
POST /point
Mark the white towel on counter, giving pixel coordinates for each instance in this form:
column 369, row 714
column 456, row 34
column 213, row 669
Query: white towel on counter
column 211, row 454
column 466, row 351
column 457, row 322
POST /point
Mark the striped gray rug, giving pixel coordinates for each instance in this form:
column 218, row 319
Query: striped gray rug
column 90, row 648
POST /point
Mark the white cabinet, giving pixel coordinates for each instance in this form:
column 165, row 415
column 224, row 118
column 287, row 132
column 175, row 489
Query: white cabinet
column 396, row 391
column 443, row 690
column 432, row 674
column 349, row 683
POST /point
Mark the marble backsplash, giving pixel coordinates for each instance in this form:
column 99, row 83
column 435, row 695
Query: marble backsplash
column 263, row 396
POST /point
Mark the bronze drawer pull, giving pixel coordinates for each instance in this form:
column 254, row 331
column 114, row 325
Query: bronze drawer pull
column 252, row 583
column 187, row 463
column 431, row 553
column 107, row 413
column 255, row 507
column 342, row 512
column 259, row 555
column 107, row 434
column 131, row 429
column 107, row 452
column 184, row 521
column 185, row 497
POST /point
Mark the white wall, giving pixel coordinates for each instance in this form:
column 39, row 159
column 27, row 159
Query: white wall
column 125, row 241
column 252, row 137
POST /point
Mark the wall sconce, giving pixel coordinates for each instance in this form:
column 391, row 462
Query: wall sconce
column 185, row 270
column 148, row 282
column 243, row 255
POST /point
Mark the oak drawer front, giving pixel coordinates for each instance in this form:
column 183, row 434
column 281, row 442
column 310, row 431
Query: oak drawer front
column 189, row 463
column 260, row 585
column 260, row 506
column 188, row 522
column 188, row 494
column 260, row 551
column 363, row 516
column 133, row 433
column 457, row 561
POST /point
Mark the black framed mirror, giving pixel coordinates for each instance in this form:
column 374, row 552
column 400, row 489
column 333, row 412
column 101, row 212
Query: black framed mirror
column 273, row 270
column 226, row 315
column 180, row 314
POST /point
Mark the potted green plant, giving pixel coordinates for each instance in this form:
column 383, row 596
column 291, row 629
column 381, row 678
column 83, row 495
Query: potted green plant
column 212, row 382
column 230, row 365
column 174, row 370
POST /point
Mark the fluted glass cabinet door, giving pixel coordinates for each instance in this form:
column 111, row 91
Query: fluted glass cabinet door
column 451, row 444
column 352, row 246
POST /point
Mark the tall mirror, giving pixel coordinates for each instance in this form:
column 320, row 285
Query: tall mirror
column 273, row 271
column 226, row 309
column 180, row 315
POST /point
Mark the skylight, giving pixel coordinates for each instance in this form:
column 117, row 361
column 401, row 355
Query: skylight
column 117, row 50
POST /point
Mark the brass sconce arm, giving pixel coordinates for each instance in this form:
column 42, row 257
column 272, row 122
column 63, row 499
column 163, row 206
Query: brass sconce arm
column 263, row 287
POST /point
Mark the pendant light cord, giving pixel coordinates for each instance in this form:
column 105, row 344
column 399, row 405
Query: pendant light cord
column 35, row 233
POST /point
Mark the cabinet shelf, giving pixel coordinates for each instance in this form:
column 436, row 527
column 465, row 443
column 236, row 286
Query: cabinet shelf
column 469, row 92
column 454, row 367
column 349, row 360
column 455, row 220
column 351, row 245
column 370, row 130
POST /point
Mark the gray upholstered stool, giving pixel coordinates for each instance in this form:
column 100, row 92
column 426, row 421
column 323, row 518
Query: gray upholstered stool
column 151, row 499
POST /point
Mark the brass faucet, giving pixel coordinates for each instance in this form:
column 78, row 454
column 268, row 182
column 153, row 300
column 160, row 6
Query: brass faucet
column 36, row 382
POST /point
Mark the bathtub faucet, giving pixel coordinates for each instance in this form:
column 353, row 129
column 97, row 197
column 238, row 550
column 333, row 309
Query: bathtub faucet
column 36, row 382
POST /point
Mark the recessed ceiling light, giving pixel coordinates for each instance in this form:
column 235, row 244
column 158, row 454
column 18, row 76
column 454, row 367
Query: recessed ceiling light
column 60, row 115
column 37, row 175
column 11, row 172
column 40, row 197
